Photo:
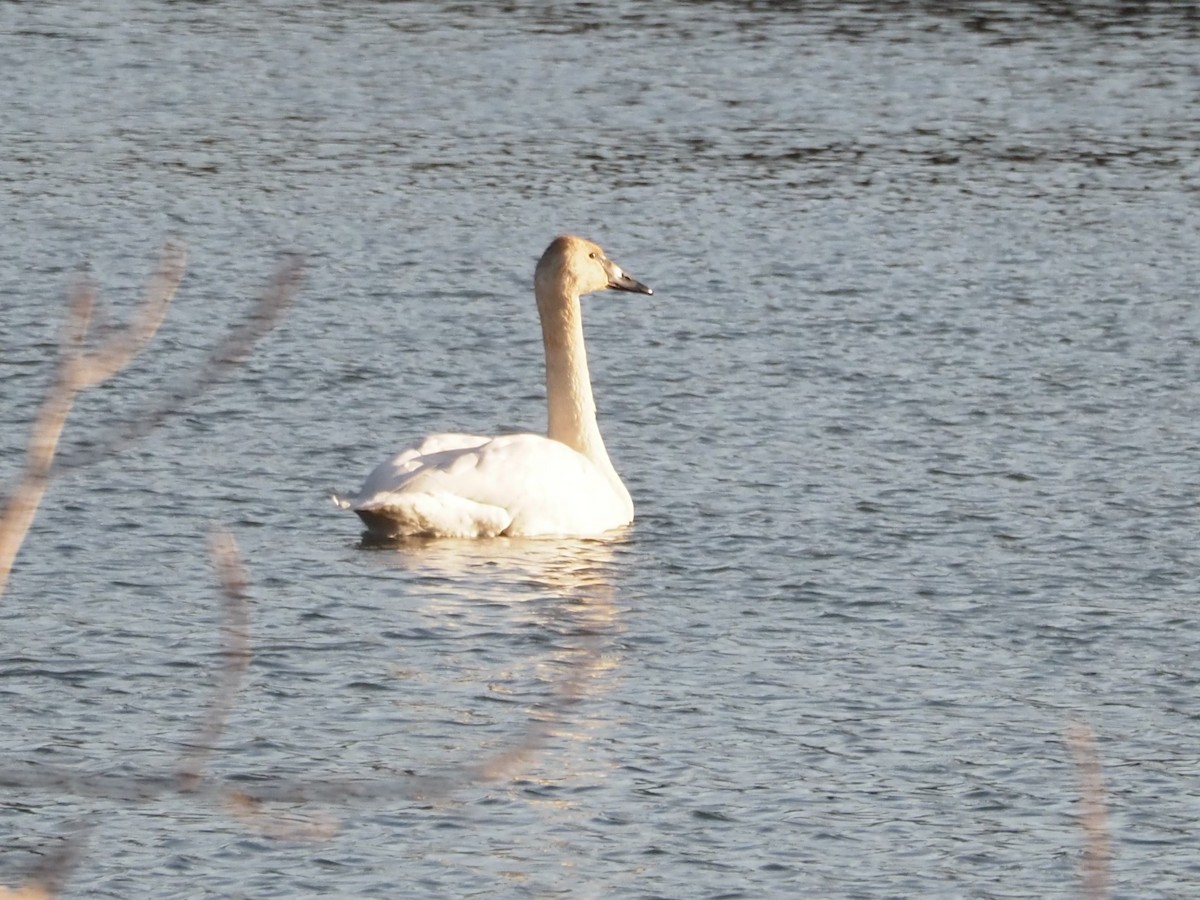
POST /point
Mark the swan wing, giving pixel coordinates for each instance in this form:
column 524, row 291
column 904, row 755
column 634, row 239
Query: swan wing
column 411, row 458
column 468, row 486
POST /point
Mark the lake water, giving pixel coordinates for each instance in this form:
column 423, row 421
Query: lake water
column 912, row 423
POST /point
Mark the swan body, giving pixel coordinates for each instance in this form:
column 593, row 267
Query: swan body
column 561, row 483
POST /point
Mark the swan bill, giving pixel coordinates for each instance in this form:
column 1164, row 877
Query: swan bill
column 619, row 281
column 618, row 278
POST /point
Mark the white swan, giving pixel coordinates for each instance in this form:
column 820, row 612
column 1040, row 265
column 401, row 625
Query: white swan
column 464, row 485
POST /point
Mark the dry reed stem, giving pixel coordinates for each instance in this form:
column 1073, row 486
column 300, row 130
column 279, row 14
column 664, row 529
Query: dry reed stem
column 1093, row 815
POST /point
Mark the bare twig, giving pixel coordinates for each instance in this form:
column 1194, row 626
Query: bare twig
column 146, row 787
column 264, row 316
column 236, row 634
column 122, row 346
column 33, row 891
column 77, row 371
column 507, row 763
column 584, row 662
column 80, row 368
column 249, row 811
column 254, row 792
column 1093, row 816
column 52, row 873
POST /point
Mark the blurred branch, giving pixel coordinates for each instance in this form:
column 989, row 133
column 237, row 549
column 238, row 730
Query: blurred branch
column 246, row 795
column 236, row 637
column 1093, row 816
column 32, row 891
column 79, row 370
column 51, row 874
column 119, row 349
column 233, row 349
column 249, row 811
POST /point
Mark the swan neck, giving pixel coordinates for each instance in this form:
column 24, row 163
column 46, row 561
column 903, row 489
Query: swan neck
column 571, row 409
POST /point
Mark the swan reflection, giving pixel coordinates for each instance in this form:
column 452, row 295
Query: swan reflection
column 550, row 602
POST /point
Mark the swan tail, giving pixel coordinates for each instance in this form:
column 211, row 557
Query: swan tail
column 411, row 514
column 339, row 501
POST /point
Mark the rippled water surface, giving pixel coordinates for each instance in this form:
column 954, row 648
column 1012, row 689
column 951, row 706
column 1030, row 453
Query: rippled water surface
column 912, row 423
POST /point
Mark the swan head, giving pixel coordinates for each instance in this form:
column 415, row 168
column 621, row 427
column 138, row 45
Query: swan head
column 573, row 266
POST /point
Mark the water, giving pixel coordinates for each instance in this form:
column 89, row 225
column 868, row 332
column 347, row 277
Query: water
column 911, row 423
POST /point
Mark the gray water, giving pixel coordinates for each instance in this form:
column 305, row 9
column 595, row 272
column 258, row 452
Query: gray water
column 912, row 424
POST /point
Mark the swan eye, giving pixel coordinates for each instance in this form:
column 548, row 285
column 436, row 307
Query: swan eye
column 592, row 255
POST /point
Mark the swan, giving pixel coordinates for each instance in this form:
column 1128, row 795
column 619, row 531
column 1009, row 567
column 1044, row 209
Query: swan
column 517, row 485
